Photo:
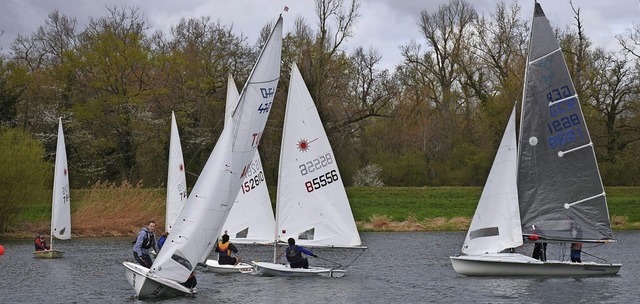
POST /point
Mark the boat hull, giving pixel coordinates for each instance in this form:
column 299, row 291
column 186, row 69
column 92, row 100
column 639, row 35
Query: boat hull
column 147, row 285
column 272, row 269
column 48, row 254
column 513, row 264
column 213, row 266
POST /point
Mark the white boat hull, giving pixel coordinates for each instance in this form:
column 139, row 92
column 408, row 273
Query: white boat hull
column 213, row 266
column 271, row 269
column 513, row 264
column 147, row 285
column 48, row 254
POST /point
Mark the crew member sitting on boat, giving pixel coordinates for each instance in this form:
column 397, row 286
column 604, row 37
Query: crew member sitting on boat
column 41, row 243
column 294, row 255
column 145, row 240
column 224, row 250
column 576, row 250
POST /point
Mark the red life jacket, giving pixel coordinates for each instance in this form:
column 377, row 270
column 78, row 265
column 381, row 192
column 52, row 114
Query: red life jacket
column 40, row 245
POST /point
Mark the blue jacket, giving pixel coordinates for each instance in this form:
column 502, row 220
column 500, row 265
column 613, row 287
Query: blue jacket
column 161, row 241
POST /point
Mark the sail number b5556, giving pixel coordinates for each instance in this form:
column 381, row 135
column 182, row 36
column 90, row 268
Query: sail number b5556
column 321, row 181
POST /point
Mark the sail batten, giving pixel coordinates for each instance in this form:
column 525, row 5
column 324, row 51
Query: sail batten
column 562, row 153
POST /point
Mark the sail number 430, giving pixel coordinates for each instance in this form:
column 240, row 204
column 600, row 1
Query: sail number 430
column 321, row 181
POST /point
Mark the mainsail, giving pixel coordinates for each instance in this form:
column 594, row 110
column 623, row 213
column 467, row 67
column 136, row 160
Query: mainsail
column 61, row 203
column 312, row 205
column 251, row 218
column 176, row 179
column 200, row 222
column 560, row 190
column 496, row 222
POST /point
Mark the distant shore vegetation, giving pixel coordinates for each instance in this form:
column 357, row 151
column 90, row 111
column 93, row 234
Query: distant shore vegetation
column 121, row 210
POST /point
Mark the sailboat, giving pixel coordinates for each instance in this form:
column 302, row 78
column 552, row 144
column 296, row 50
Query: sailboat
column 61, row 203
column 200, row 222
column 176, row 179
column 550, row 190
column 251, row 219
column 312, row 205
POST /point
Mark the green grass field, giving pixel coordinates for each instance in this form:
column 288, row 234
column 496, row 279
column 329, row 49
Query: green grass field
column 107, row 211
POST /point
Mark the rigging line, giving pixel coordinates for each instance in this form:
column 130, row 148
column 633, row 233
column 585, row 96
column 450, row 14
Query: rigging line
column 339, row 265
column 562, row 153
column 568, row 205
column 597, row 257
column 356, row 258
column 202, row 146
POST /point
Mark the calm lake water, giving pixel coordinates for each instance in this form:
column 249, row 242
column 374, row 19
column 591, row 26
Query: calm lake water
column 397, row 267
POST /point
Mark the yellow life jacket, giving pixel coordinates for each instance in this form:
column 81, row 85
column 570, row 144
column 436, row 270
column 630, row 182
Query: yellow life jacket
column 223, row 248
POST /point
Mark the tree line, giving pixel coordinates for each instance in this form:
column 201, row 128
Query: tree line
column 435, row 119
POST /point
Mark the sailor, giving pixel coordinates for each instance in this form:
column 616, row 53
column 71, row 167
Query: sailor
column 294, row 255
column 145, row 241
column 224, row 250
column 576, row 252
column 41, row 243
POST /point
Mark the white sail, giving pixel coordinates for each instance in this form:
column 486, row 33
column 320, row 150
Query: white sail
column 312, row 204
column 199, row 224
column 176, row 179
column 251, row 218
column 232, row 97
column 496, row 222
column 61, row 204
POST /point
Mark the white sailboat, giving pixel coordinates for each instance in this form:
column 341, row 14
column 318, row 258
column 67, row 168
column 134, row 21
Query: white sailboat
column 312, row 204
column 251, row 219
column 176, row 178
column 61, row 203
column 200, row 222
column 551, row 190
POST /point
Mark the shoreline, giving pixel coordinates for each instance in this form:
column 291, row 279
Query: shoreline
column 377, row 224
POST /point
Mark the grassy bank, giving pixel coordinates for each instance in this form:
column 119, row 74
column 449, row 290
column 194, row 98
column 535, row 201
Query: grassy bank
column 107, row 210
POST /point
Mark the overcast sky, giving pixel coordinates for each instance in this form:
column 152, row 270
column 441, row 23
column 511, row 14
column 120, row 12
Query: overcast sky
column 384, row 24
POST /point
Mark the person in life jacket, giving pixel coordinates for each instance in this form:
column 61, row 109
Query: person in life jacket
column 145, row 241
column 224, row 250
column 576, row 252
column 162, row 238
column 294, row 255
column 41, row 243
